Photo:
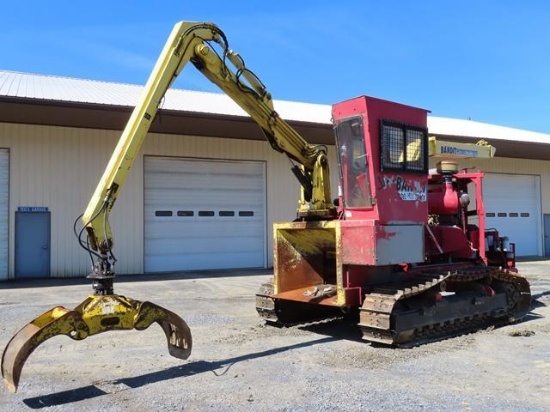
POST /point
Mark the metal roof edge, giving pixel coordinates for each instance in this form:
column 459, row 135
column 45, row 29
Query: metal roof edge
column 479, row 130
column 44, row 87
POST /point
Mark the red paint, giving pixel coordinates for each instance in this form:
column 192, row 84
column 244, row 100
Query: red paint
column 389, row 206
column 489, row 290
column 444, row 200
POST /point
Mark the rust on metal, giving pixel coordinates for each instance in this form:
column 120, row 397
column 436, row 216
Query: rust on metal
column 96, row 314
column 320, row 295
column 305, row 255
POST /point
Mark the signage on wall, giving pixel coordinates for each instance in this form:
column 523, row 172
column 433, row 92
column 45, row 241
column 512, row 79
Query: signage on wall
column 32, row 208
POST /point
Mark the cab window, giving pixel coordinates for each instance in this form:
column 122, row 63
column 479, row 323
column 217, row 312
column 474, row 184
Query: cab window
column 403, row 148
column 353, row 163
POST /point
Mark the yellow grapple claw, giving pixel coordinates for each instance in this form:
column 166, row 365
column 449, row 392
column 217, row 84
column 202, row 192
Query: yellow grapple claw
column 96, row 314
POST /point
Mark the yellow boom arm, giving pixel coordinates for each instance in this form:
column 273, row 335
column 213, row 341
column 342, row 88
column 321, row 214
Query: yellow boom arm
column 104, row 311
column 191, row 42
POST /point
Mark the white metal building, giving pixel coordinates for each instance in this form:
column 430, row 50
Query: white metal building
column 206, row 187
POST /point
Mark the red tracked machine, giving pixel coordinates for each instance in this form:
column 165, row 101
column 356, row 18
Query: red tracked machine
column 408, row 250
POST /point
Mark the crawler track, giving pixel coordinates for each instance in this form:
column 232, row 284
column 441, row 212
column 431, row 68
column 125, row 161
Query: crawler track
column 430, row 306
column 415, row 312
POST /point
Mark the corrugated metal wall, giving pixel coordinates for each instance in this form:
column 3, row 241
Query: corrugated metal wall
column 59, row 167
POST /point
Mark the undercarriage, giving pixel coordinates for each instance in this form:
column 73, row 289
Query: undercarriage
column 426, row 306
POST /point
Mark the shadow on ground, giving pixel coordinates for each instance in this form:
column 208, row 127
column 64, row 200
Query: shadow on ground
column 103, row 388
column 535, row 299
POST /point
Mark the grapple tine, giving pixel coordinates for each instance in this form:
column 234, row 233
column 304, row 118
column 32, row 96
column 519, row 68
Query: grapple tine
column 56, row 321
column 16, row 353
column 178, row 334
column 96, row 314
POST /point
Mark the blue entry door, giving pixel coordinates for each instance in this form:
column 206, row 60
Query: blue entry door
column 32, row 244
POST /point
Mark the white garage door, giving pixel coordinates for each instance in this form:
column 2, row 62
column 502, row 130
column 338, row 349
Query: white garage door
column 204, row 214
column 4, row 196
column 512, row 205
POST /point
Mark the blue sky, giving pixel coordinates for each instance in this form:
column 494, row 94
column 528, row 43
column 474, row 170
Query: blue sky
column 485, row 60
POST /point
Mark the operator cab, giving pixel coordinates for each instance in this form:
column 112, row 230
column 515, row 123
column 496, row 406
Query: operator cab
column 382, row 150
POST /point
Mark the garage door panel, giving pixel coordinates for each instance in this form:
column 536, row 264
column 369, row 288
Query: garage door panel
column 244, row 186
column 241, row 236
column 172, row 198
column 174, row 263
column 203, row 214
column 512, row 205
column 205, row 246
column 215, row 229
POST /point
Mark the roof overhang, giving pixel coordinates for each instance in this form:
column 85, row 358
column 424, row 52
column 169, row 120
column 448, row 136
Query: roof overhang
column 111, row 117
column 114, row 117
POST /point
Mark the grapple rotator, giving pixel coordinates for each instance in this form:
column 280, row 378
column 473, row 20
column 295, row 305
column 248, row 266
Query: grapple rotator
column 100, row 312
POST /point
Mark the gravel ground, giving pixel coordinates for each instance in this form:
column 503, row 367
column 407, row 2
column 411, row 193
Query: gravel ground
column 239, row 364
